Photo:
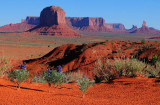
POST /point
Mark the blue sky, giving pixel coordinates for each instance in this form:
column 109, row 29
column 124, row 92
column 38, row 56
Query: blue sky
column 127, row 12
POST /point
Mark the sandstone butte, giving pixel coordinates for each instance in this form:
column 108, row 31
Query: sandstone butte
column 52, row 22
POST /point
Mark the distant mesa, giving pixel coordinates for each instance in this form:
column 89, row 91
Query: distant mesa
column 87, row 24
column 19, row 27
column 52, row 22
column 31, row 20
column 116, row 27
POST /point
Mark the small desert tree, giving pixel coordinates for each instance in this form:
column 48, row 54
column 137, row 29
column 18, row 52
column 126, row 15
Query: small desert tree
column 18, row 76
column 55, row 78
column 84, row 84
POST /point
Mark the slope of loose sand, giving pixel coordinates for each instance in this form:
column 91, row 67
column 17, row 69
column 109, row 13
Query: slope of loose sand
column 122, row 91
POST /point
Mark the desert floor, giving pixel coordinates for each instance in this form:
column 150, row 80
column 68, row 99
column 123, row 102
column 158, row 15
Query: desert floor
column 122, row 91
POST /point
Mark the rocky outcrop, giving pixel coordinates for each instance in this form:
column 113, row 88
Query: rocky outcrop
column 116, row 27
column 19, row 27
column 134, row 28
column 145, row 30
column 52, row 16
column 52, row 22
column 31, row 20
column 87, row 24
column 26, row 24
column 81, row 22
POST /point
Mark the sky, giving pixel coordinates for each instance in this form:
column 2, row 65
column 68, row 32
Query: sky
column 127, row 12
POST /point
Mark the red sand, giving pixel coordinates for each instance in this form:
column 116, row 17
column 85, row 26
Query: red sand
column 123, row 91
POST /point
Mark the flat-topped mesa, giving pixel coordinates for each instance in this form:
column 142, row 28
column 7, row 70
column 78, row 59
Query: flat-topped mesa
column 31, row 20
column 116, row 27
column 87, row 24
column 84, row 21
column 96, row 22
column 52, row 16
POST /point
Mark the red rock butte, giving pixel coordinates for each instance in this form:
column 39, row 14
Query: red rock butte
column 52, row 22
column 52, row 16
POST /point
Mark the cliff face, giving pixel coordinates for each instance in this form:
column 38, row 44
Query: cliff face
column 116, row 27
column 87, row 24
column 77, row 23
column 84, row 21
column 31, row 20
column 52, row 16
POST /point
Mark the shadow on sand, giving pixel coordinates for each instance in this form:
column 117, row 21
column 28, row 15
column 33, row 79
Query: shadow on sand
column 10, row 86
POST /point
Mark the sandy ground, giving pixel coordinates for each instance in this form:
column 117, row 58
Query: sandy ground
column 123, row 91
column 21, row 53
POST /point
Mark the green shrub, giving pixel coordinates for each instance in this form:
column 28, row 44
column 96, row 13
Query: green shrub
column 84, row 84
column 103, row 71
column 157, row 70
column 153, row 72
column 132, row 67
column 143, row 41
column 35, row 79
column 119, row 66
column 18, row 76
column 73, row 76
column 55, row 78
